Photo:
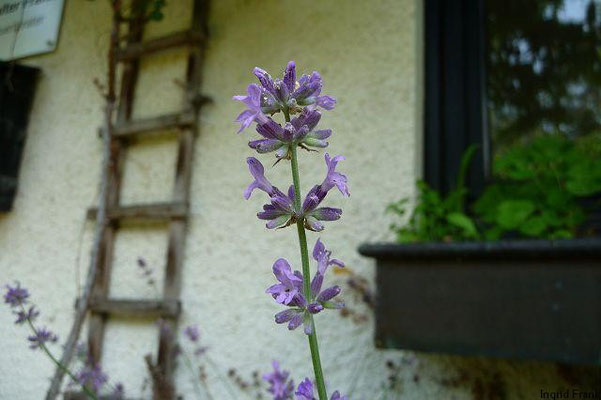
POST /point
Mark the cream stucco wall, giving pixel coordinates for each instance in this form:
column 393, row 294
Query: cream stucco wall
column 369, row 55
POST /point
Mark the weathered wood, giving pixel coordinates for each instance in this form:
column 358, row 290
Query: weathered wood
column 156, row 211
column 104, row 199
column 162, row 387
column 181, row 190
column 135, row 307
column 136, row 50
column 126, row 96
column 176, row 211
column 130, row 129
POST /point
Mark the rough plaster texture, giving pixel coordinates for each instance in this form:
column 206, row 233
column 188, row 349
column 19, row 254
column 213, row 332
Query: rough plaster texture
column 368, row 54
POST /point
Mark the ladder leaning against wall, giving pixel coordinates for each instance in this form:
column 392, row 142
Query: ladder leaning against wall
column 120, row 130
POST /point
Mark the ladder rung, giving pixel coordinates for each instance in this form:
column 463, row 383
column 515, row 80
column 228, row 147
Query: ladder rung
column 163, row 122
column 144, row 308
column 156, row 211
column 136, row 50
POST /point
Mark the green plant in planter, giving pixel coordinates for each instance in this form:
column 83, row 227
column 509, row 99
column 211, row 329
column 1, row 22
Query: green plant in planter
column 437, row 218
column 538, row 189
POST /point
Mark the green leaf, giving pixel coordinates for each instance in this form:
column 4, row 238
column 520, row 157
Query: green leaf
column 463, row 222
column 512, row 213
column 534, row 226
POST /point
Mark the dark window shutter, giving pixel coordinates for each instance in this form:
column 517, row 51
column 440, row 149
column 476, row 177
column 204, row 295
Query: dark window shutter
column 455, row 97
column 17, row 86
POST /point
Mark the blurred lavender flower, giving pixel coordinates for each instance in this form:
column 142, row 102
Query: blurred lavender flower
column 118, row 392
column 192, row 333
column 15, row 296
column 92, row 377
column 305, row 392
column 41, row 337
column 280, row 386
column 289, row 291
column 29, row 315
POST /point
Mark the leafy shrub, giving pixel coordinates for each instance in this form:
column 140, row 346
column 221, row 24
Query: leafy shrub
column 437, row 218
column 538, row 190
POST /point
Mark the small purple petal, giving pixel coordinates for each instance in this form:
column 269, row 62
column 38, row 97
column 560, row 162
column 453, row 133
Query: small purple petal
column 327, row 213
column 265, row 79
column 192, row 333
column 308, row 324
column 326, row 102
column 316, row 284
column 305, row 390
column 295, row 322
column 285, row 316
column 334, row 178
column 265, row 145
column 313, row 224
column 290, row 76
column 258, row 172
column 329, row 293
column 314, row 308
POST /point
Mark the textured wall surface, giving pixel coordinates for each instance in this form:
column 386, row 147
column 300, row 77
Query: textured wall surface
column 368, row 54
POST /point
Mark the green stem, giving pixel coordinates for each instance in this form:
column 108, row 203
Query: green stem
column 195, row 378
column 86, row 390
column 302, row 239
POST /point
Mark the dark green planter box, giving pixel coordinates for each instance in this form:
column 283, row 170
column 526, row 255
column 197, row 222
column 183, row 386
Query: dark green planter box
column 534, row 300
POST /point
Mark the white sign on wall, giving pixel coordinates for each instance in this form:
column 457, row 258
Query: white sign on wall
column 28, row 27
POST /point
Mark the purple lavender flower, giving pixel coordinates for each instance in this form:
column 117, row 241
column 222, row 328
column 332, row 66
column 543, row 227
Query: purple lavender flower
column 290, row 284
column 315, row 196
column 15, row 296
column 192, row 333
column 280, row 212
column 289, row 291
column 118, row 392
column 28, row 315
column 337, row 396
column 41, row 337
column 92, row 377
column 305, row 392
column 255, row 101
column 279, row 385
column 322, row 256
column 258, row 172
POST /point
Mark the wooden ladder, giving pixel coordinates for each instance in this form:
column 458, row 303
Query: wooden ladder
column 175, row 213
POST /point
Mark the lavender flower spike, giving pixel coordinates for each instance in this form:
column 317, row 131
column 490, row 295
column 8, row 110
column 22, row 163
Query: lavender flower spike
column 305, row 392
column 279, row 385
